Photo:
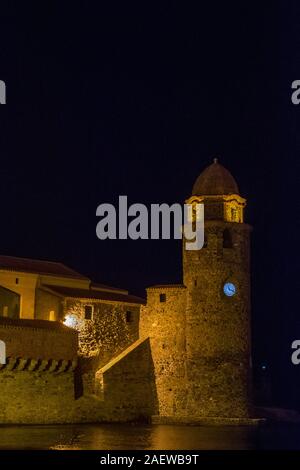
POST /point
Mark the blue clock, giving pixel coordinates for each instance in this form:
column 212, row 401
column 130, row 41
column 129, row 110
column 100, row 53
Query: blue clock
column 229, row 289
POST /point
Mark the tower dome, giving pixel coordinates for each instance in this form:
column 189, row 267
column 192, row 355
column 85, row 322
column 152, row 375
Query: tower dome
column 215, row 180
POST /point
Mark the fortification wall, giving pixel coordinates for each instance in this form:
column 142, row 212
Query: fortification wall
column 47, row 386
column 127, row 384
column 35, row 397
column 37, row 381
column 164, row 323
column 38, row 339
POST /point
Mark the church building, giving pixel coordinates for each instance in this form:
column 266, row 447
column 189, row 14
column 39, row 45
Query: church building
column 183, row 356
column 200, row 330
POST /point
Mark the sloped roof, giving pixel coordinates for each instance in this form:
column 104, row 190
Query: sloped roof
column 94, row 294
column 34, row 323
column 50, row 268
column 97, row 286
column 167, row 286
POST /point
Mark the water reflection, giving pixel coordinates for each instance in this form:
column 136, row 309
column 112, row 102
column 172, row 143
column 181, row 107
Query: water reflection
column 114, row 437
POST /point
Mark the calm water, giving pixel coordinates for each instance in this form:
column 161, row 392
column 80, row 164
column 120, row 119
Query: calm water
column 104, row 437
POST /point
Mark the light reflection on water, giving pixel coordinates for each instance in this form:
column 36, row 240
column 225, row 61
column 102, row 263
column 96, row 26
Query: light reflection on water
column 117, row 436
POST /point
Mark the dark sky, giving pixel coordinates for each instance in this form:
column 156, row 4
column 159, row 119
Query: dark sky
column 105, row 99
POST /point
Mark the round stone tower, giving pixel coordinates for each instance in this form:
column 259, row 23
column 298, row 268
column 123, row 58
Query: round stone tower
column 217, row 280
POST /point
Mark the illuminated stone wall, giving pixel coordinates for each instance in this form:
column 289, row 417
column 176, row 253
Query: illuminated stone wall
column 127, row 384
column 37, row 381
column 186, row 355
column 217, row 326
column 38, row 339
column 164, row 323
column 109, row 332
column 35, row 397
column 102, row 338
column 46, row 385
column 200, row 338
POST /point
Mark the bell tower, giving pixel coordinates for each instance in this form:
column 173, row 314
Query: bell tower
column 217, row 280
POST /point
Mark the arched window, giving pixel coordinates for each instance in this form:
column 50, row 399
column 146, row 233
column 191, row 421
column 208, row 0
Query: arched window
column 227, row 239
column 233, row 214
column 52, row 315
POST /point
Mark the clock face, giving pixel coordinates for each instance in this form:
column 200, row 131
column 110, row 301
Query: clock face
column 229, row 289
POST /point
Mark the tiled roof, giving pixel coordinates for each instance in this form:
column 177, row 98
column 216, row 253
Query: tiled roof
column 50, row 268
column 95, row 294
column 215, row 180
column 98, row 286
column 32, row 323
column 167, row 286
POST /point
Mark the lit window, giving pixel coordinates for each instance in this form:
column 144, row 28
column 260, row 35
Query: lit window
column 162, row 297
column 5, row 311
column 234, row 214
column 88, row 312
column 129, row 316
column 52, row 315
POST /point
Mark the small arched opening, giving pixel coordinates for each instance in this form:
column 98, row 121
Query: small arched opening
column 227, row 239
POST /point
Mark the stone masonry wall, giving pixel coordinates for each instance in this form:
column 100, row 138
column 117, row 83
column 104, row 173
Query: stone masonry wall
column 125, row 392
column 47, row 385
column 127, row 384
column 38, row 339
column 164, row 324
column 37, row 381
column 218, row 327
column 108, row 333
column 35, row 397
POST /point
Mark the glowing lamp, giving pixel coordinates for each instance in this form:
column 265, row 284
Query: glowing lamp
column 70, row 321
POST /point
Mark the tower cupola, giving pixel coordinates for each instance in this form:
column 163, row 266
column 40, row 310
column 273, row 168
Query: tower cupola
column 218, row 190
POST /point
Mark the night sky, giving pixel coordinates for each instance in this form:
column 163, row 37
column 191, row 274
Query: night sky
column 120, row 98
